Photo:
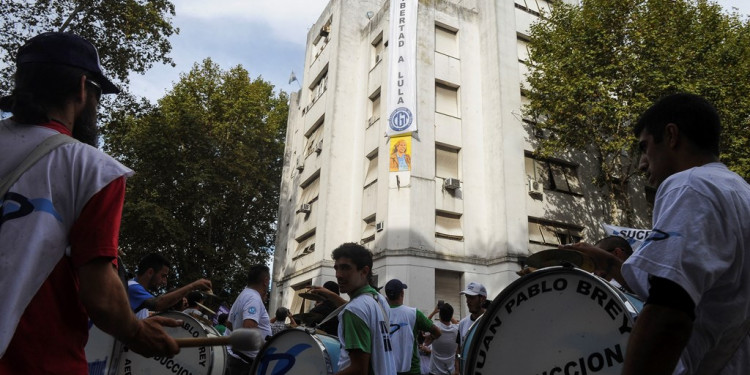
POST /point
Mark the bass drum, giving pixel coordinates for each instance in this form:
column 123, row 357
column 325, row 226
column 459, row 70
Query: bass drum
column 464, row 355
column 203, row 360
column 298, row 351
column 555, row 320
column 101, row 351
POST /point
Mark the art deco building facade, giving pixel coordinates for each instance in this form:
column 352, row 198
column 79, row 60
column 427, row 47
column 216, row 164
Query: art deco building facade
column 475, row 202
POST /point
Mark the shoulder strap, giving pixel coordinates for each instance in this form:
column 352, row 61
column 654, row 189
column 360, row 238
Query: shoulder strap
column 49, row 144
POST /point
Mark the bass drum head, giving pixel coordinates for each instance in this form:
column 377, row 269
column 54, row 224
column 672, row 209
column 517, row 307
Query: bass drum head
column 555, row 320
column 297, row 352
column 201, row 360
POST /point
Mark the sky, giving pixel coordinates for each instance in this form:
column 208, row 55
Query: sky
column 266, row 37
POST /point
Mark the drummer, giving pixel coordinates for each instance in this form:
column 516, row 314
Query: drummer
column 476, row 295
column 693, row 269
column 151, row 275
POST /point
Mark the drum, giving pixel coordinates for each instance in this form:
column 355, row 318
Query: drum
column 555, row 320
column 101, row 351
column 298, row 352
column 467, row 341
column 204, row 360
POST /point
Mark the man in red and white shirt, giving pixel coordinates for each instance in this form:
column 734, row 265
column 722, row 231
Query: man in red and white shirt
column 59, row 221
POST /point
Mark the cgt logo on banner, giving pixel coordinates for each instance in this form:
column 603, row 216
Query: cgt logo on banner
column 402, row 68
column 635, row 237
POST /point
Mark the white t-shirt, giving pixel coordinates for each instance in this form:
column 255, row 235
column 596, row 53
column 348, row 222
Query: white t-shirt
column 463, row 327
column 249, row 305
column 372, row 308
column 443, row 358
column 403, row 318
column 700, row 240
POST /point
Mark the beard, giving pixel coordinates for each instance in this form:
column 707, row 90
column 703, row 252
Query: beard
column 84, row 124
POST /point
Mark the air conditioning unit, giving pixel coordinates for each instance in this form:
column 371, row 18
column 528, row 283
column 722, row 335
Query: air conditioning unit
column 304, row 208
column 451, row 183
column 319, row 147
column 309, row 249
column 379, row 226
column 535, row 187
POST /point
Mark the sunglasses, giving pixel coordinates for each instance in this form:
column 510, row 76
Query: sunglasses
column 97, row 87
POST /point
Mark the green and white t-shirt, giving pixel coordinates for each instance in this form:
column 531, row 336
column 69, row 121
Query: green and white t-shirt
column 363, row 325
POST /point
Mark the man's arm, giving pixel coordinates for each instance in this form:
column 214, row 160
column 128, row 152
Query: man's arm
column 605, row 262
column 662, row 329
column 425, row 324
column 359, row 363
column 106, row 302
column 167, row 300
column 658, row 338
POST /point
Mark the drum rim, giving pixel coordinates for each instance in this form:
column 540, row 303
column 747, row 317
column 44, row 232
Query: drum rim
column 513, row 287
column 326, row 359
column 211, row 350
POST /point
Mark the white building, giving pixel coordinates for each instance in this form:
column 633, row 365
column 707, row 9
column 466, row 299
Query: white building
column 473, row 206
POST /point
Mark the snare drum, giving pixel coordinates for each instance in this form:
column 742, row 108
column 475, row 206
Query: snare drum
column 204, row 360
column 298, row 352
column 555, row 320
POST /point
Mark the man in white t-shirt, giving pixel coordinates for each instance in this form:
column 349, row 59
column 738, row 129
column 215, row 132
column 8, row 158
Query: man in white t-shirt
column 476, row 295
column 694, row 269
column 443, row 357
column 249, row 311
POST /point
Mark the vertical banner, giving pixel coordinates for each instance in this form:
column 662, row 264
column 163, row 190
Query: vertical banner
column 401, row 105
column 400, row 159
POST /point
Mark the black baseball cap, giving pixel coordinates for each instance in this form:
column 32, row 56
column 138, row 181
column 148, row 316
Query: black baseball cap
column 394, row 287
column 66, row 49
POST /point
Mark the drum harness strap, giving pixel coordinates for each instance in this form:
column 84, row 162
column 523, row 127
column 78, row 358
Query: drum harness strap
column 44, row 148
column 336, row 312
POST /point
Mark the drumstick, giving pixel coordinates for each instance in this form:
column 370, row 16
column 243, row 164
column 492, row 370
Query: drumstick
column 240, row 339
column 206, row 308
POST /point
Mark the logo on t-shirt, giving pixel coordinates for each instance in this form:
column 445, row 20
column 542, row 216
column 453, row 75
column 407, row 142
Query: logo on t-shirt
column 251, row 310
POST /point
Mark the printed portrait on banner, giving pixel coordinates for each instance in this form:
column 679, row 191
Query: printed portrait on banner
column 400, row 154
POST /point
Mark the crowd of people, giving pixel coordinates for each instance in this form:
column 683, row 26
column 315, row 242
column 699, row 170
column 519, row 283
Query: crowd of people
column 61, row 217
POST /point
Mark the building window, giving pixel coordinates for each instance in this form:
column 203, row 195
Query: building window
column 447, row 289
column 368, row 229
column 523, row 50
column 551, row 233
column 305, row 245
column 553, row 174
column 446, row 40
column 319, row 86
column 374, row 108
column 446, row 100
column 310, row 190
column 314, row 137
column 321, row 41
column 446, row 162
column 298, row 303
column 448, row 225
column 377, row 50
column 371, row 174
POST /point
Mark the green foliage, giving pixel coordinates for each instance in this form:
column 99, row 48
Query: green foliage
column 130, row 35
column 208, row 161
column 597, row 65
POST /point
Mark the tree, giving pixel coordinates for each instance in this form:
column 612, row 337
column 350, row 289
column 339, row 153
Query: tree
column 208, row 161
column 596, row 66
column 130, row 35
